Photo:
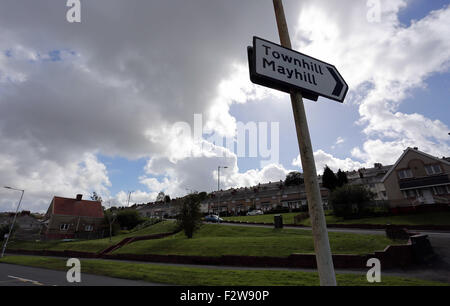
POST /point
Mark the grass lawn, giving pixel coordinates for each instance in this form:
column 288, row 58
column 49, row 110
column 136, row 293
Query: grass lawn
column 217, row 240
column 96, row 245
column 174, row 275
column 433, row 218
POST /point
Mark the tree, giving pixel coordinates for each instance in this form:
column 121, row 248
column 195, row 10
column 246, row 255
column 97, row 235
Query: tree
column 203, row 196
column 341, row 178
column 167, row 199
column 350, row 200
column 110, row 219
column 329, row 179
column 294, row 178
column 96, row 197
column 110, row 215
column 190, row 218
column 160, row 197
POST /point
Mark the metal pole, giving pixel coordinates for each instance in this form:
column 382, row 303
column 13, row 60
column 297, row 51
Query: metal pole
column 218, row 189
column 319, row 228
column 12, row 225
column 129, row 196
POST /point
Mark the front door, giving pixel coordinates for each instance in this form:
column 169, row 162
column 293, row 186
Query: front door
column 428, row 196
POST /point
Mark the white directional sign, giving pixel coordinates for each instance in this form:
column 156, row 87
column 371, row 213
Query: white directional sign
column 284, row 69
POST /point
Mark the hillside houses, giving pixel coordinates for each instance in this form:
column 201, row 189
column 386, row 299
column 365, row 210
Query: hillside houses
column 417, row 178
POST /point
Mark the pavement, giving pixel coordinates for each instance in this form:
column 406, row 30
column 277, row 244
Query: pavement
column 15, row 275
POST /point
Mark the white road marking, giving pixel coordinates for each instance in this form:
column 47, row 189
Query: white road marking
column 26, row 280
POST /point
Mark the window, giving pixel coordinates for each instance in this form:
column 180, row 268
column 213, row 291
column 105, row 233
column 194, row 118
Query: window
column 405, row 173
column 409, row 193
column 440, row 190
column 433, row 169
column 294, row 204
column 64, row 227
column 88, row 228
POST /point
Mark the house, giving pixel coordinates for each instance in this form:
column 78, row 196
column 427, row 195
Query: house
column 160, row 209
column 266, row 197
column 372, row 178
column 418, row 179
column 27, row 226
column 73, row 218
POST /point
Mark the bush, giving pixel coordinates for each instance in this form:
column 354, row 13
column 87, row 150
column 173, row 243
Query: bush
column 351, row 201
column 4, row 229
column 146, row 223
column 129, row 218
column 300, row 217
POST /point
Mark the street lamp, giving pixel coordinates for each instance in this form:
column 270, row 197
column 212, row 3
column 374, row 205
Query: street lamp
column 129, row 197
column 14, row 220
column 218, row 186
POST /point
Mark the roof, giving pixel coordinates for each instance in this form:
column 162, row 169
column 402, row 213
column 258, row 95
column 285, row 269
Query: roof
column 72, row 207
column 418, row 152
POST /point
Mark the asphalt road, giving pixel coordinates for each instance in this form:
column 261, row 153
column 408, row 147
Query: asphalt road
column 15, row 275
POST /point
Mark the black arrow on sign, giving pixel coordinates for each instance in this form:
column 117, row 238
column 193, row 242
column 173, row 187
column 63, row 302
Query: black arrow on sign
column 339, row 85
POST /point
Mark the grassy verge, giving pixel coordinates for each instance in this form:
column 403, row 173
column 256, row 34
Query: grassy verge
column 94, row 246
column 206, row 277
column 434, row 218
column 217, row 240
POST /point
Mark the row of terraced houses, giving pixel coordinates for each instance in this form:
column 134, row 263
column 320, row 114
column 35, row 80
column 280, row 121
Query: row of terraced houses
column 416, row 179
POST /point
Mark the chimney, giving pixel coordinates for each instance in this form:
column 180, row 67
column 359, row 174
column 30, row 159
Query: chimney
column 79, row 196
column 416, row 148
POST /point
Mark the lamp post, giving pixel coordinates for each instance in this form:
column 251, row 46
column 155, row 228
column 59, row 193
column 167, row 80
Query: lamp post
column 218, row 186
column 129, row 196
column 14, row 220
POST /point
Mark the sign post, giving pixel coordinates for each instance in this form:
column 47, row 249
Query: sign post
column 319, row 229
column 275, row 66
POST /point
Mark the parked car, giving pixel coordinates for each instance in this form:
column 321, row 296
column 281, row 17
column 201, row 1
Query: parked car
column 255, row 212
column 213, row 218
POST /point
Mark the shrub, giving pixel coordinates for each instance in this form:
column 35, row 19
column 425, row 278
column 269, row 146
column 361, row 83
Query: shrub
column 300, row 217
column 129, row 218
column 351, row 201
column 4, row 229
column 146, row 223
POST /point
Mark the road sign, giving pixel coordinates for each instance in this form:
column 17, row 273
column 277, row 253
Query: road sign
column 284, row 69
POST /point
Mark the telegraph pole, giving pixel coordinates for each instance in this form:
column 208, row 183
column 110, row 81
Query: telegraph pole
column 319, row 228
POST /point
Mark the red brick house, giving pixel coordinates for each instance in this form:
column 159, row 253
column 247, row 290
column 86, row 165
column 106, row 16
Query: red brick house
column 73, row 218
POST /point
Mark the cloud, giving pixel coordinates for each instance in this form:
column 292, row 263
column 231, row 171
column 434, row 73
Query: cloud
column 324, row 159
column 200, row 173
column 132, row 70
column 45, row 179
column 382, row 62
column 340, row 140
column 120, row 81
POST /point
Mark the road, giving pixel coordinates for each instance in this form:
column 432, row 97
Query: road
column 15, row 275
